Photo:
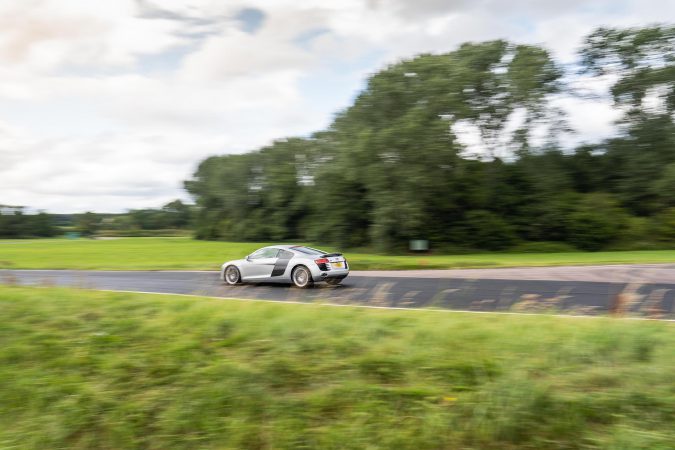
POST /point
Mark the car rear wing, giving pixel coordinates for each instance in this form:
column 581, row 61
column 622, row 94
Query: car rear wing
column 331, row 254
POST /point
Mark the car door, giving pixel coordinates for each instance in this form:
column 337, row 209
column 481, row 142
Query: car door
column 259, row 264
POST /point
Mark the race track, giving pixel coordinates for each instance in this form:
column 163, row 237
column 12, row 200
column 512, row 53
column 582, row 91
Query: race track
column 641, row 291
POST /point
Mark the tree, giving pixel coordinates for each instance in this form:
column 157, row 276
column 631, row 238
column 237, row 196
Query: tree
column 88, row 223
column 12, row 221
column 642, row 60
column 664, row 225
column 397, row 140
column 41, row 225
column 256, row 196
column 178, row 214
column 486, row 230
column 642, row 63
column 663, row 188
column 597, row 221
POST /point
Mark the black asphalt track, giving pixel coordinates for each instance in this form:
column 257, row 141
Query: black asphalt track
column 652, row 300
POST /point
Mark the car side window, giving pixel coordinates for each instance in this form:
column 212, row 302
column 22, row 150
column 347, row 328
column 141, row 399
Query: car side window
column 271, row 253
column 264, row 253
column 257, row 254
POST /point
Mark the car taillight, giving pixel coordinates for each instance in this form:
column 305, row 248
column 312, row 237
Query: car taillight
column 321, row 261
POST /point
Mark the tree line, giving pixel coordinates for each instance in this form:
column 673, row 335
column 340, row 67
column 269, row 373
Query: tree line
column 391, row 168
column 15, row 222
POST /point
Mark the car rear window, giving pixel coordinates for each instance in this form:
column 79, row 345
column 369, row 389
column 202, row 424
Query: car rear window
column 309, row 250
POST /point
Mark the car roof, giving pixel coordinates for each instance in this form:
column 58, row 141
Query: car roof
column 283, row 246
column 286, row 246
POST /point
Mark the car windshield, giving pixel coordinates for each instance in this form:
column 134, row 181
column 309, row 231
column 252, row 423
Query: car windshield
column 309, row 250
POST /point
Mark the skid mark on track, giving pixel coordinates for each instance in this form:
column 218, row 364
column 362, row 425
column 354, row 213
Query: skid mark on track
column 408, row 298
column 380, row 294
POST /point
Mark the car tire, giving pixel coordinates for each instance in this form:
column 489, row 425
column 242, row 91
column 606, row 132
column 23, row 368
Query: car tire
column 334, row 281
column 232, row 276
column 302, row 277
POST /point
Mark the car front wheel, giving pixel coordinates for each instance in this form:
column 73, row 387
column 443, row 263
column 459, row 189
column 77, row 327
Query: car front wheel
column 232, row 275
column 301, row 277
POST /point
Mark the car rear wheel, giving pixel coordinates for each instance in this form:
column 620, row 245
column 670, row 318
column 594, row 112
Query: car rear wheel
column 232, row 275
column 334, row 281
column 302, row 278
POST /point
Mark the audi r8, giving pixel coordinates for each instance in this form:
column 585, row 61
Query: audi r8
column 296, row 264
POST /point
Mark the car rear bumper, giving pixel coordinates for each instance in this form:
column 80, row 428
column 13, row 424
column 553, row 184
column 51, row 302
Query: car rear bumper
column 335, row 275
column 321, row 275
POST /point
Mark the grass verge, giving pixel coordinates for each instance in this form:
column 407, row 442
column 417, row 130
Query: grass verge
column 188, row 254
column 99, row 370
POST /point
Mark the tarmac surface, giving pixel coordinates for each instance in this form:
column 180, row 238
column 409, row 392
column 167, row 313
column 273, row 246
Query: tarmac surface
column 628, row 273
column 625, row 290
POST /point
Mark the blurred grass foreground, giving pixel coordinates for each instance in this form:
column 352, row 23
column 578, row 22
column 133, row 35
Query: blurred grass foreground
column 181, row 253
column 93, row 370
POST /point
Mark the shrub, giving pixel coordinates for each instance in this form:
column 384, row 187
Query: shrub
column 596, row 222
column 487, row 230
column 663, row 225
column 543, row 247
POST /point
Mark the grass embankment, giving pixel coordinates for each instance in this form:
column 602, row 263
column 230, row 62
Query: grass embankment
column 188, row 254
column 94, row 370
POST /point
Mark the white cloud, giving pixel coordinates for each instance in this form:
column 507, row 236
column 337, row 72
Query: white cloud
column 240, row 54
column 105, row 173
column 44, row 35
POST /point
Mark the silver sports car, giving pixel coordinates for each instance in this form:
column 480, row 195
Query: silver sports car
column 295, row 264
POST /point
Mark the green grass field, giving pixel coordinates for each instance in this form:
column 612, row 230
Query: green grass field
column 93, row 370
column 188, row 254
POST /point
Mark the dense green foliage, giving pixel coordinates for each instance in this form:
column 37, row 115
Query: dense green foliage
column 92, row 370
column 390, row 168
column 14, row 223
column 174, row 215
column 169, row 219
column 183, row 253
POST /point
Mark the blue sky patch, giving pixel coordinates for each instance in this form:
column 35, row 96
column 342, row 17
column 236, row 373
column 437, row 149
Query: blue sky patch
column 251, row 19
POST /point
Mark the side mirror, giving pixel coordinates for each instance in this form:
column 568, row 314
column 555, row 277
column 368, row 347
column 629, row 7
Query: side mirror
column 248, row 258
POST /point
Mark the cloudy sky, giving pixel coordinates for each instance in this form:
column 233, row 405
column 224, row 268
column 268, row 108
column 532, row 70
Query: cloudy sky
column 108, row 105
